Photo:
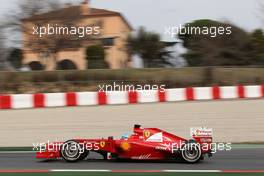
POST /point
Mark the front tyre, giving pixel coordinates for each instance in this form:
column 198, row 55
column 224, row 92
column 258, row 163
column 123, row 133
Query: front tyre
column 191, row 152
column 71, row 151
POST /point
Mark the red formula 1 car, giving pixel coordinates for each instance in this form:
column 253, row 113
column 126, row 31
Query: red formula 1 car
column 143, row 144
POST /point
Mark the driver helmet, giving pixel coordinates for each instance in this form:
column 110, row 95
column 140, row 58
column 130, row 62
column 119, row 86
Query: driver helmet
column 125, row 136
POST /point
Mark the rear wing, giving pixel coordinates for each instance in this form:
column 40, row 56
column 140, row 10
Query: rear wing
column 202, row 134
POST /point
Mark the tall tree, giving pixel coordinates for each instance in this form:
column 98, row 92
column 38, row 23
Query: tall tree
column 150, row 48
column 25, row 9
column 257, row 47
column 207, row 49
column 4, row 65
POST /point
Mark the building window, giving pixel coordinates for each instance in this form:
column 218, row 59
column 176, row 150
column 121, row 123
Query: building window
column 108, row 42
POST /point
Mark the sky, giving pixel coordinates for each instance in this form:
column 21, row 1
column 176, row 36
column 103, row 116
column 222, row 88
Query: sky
column 156, row 15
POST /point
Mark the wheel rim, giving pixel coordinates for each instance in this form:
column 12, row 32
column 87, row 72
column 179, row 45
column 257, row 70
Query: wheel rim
column 191, row 152
column 71, row 151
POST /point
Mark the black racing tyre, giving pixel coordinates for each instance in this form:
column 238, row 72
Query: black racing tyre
column 71, row 151
column 84, row 155
column 191, row 152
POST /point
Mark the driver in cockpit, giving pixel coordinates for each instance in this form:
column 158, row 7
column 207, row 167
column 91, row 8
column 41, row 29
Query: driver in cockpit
column 125, row 136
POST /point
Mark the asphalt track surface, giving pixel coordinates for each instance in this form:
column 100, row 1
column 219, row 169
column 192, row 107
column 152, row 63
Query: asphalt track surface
column 237, row 159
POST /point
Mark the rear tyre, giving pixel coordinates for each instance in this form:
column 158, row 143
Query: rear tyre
column 71, row 151
column 191, row 152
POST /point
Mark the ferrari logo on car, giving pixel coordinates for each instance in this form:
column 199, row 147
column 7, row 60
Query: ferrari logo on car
column 146, row 134
column 102, row 144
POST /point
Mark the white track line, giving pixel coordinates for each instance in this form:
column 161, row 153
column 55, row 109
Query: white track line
column 169, row 171
column 200, row 171
column 80, row 170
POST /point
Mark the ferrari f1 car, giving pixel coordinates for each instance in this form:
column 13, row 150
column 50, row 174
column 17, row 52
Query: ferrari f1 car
column 143, row 144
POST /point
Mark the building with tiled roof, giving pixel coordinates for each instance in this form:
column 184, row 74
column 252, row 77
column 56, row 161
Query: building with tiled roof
column 59, row 38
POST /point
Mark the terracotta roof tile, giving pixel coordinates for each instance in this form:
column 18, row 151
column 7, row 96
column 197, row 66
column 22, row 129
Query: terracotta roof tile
column 71, row 12
column 74, row 12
